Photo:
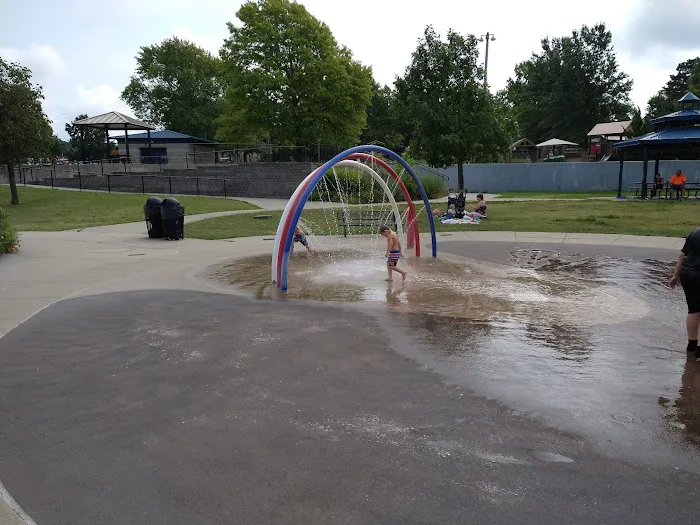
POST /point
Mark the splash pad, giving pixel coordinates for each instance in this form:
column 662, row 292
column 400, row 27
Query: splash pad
column 364, row 159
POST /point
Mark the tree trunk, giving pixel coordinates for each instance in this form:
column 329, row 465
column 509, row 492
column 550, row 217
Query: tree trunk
column 13, row 184
column 460, row 175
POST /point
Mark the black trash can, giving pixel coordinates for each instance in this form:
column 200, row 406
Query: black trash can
column 173, row 216
column 151, row 211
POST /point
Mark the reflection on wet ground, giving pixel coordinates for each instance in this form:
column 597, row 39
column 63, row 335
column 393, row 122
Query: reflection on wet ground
column 594, row 345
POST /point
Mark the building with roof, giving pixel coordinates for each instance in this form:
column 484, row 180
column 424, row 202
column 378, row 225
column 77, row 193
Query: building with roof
column 675, row 136
column 169, row 147
column 604, row 135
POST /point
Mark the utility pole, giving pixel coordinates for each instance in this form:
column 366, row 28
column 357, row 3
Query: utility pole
column 491, row 37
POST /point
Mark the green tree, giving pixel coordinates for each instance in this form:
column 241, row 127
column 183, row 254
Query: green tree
column 640, row 124
column 61, row 148
column 86, row 143
column 454, row 116
column 177, row 86
column 686, row 78
column 571, row 85
column 507, row 117
column 289, row 81
column 383, row 120
column 694, row 79
column 25, row 132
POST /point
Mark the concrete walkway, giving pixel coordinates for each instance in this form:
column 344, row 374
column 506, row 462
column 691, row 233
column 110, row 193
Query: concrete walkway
column 52, row 266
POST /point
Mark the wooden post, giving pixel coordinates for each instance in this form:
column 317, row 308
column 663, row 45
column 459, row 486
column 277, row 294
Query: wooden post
column 109, row 185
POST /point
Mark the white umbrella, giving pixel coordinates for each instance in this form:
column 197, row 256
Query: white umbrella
column 555, row 142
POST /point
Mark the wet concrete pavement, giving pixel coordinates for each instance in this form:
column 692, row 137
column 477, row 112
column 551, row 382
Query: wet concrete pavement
column 187, row 407
column 586, row 338
column 163, row 406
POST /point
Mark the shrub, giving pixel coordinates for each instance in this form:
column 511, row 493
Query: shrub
column 434, row 186
column 9, row 241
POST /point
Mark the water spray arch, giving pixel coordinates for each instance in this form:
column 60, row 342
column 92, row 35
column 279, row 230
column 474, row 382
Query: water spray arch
column 290, row 217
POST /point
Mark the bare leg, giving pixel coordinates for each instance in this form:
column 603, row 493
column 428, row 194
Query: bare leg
column 388, row 269
column 402, row 272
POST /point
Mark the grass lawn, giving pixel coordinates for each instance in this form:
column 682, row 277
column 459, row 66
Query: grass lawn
column 671, row 219
column 555, row 195
column 51, row 210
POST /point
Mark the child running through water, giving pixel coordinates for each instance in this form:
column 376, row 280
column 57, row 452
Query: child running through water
column 300, row 237
column 393, row 251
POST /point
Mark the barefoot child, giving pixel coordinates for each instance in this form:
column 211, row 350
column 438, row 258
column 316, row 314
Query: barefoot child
column 300, row 237
column 393, row 251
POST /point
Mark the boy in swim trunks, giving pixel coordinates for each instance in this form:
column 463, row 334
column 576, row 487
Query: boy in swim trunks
column 300, row 237
column 393, row 251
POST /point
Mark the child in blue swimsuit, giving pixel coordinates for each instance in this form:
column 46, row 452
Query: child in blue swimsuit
column 300, row 237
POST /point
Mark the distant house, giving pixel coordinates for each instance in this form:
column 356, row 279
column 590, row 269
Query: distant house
column 602, row 137
column 170, row 147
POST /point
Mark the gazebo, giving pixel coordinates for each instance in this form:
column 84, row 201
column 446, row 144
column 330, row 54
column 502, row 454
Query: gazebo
column 116, row 121
column 676, row 135
column 522, row 146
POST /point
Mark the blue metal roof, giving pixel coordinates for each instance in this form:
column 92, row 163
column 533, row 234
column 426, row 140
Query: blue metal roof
column 689, row 97
column 664, row 136
column 164, row 135
column 683, row 115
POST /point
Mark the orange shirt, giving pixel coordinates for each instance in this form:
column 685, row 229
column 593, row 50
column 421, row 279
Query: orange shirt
column 678, row 179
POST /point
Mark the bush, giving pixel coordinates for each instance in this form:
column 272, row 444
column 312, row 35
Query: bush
column 9, row 241
column 434, row 186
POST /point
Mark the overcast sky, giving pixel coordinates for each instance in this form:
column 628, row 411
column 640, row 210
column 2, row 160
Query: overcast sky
column 83, row 52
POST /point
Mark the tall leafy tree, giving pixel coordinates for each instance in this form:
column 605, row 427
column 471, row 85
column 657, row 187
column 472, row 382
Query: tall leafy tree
column 61, row 148
column 573, row 83
column 25, row 131
column 86, row 143
column 383, row 120
column 640, row 124
column 686, row 78
column 454, row 116
column 288, row 80
column 177, row 86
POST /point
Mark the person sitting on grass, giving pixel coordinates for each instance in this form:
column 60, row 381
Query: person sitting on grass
column 678, row 184
column 479, row 210
column 451, row 212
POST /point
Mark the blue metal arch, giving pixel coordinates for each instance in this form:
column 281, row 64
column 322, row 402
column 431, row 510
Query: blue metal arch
column 319, row 175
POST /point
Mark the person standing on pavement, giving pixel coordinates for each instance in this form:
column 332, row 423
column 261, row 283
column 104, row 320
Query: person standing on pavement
column 687, row 273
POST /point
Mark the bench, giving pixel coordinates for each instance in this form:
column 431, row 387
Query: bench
column 363, row 218
column 666, row 190
column 637, row 187
column 689, row 186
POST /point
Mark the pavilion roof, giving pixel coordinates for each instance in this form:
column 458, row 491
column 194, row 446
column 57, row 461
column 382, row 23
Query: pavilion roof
column 663, row 137
column 113, row 121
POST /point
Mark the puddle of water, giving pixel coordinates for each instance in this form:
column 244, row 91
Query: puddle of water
column 589, row 344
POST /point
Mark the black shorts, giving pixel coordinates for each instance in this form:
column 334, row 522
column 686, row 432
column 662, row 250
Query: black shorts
column 691, row 287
